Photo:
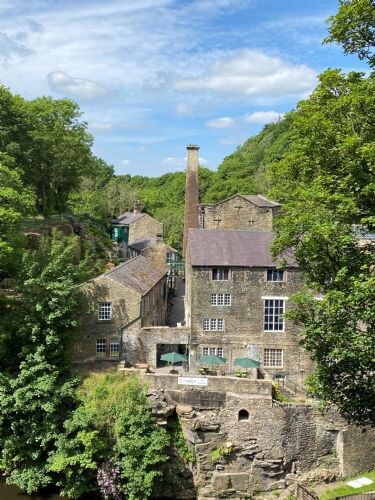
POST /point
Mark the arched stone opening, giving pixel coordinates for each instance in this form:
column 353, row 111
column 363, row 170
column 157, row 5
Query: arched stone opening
column 243, row 415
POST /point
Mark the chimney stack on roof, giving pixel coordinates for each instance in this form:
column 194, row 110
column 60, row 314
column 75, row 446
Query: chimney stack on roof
column 191, row 192
column 137, row 207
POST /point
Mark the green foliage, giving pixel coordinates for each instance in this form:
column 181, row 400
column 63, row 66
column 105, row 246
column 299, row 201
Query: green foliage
column 277, row 394
column 50, row 146
column 326, row 181
column 185, row 451
column 36, row 388
column 353, row 28
column 15, row 202
column 244, row 170
column 336, row 491
column 112, row 422
column 223, row 452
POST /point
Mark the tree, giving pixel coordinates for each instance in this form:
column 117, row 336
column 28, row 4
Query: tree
column 16, row 202
column 50, row 146
column 354, row 28
column 36, row 386
column 111, row 434
column 326, row 182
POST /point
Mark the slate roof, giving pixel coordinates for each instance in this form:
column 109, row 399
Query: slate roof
column 260, row 200
column 236, row 248
column 128, row 218
column 139, row 273
column 143, row 242
column 147, row 240
column 257, row 199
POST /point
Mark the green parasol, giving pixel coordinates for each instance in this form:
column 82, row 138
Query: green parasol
column 173, row 357
column 246, row 363
column 212, row 360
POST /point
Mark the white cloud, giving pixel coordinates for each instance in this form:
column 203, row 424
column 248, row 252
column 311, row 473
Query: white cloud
column 183, row 108
column 224, row 122
column 12, row 46
column 252, row 73
column 100, row 127
column 125, row 162
column 263, row 117
column 77, row 87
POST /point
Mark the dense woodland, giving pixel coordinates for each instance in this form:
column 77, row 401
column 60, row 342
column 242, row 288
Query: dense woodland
column 97, row 434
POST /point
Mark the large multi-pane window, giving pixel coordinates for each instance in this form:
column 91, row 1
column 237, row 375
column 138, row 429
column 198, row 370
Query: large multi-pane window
column 213, row 324
column 104, row 310
column 275, row 274
column 273, row 358
column 273, row 315
column 220, row 299
column 101, row 348
column 213, row 351
column 114, row 349
column 220, row 274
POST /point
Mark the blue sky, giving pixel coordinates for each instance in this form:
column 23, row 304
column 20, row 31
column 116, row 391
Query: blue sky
column 152, row 76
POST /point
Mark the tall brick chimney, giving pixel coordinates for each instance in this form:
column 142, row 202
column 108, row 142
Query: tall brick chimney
column 191, row 192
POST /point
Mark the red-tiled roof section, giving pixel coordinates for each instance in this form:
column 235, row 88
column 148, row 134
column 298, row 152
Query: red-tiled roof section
column 128, row 218
column 232, row 248
column 139, row 273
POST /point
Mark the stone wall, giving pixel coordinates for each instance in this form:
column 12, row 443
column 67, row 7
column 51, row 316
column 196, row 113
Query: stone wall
column 257, row 388
column 125, row 309
column 244, row 333
column 150, row 337
column 130, row 311
column 144, row 225
column 236, row 213
column 356, row 446
column 269, row 450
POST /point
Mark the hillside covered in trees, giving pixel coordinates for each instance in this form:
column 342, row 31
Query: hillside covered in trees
column 318, row 162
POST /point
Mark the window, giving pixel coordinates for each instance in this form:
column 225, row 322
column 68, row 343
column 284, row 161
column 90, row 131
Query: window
column 275, row 275
column 213, row 351
column 170, row 256
column 273, row 315
column 101, row 345
column 221, row 299
column 220, row 274
column 273, row 358
column 104, row 310
column 114, row 349
column 213, row 325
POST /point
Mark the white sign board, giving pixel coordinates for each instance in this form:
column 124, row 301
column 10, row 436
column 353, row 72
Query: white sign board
column 192, row 381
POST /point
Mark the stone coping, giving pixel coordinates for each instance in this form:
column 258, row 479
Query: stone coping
column 217, row 383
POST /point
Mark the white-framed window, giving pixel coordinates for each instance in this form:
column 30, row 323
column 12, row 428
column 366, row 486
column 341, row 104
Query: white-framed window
column 114, row 349
column 273, row 358
column 220, row 274
column 273, row 314
column 104, row 310
column 275, row 275
column 213, row 351
column 221, row 299
column 171, row 256
column 101, row 348
column 213, row 324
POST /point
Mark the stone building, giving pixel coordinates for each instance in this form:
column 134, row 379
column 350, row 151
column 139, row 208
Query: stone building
column 236, row 298
column 137, row 224
column 153, row 246
column 248, row 212
column 118, row 304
